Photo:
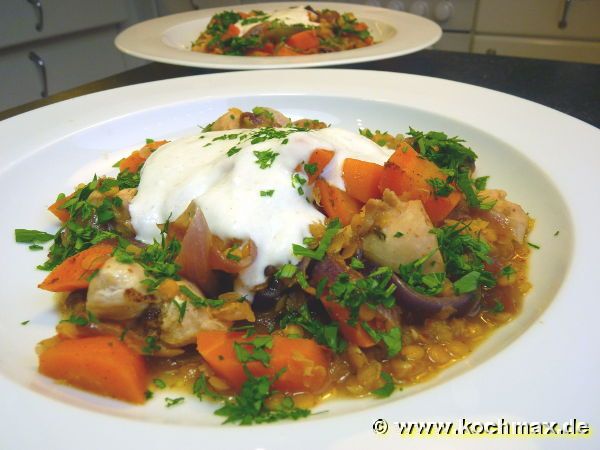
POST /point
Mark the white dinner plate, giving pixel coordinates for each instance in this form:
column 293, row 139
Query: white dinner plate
column 168, row 39
column 542, row 366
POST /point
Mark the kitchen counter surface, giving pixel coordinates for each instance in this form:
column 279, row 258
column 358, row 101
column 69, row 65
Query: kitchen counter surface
column 571, row 88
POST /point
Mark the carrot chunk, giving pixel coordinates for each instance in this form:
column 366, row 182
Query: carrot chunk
column 319, row 159
column 138, row 157
column 56, row 209
column 100, row 364
column 406, row 173
column 74, row 272
column 305, row 362
column 362, row 179
column 304, row 40
column 337, row 203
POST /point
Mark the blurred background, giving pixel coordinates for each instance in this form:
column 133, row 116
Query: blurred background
column 48, row 46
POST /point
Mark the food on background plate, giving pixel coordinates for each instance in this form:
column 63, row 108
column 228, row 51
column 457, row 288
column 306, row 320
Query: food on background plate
column 294, row 31
column 268, row 264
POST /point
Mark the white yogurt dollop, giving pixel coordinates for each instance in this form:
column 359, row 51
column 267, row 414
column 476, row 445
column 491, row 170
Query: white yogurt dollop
column 289, row 16
column 228, row 188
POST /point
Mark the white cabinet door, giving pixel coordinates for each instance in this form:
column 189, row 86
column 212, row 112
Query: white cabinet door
column 557, row 49
column 18, row 18
column 69, row 62
column 539, row 18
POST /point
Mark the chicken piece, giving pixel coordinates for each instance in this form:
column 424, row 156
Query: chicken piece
column 507, row 213
column 398, row 232
column 117, row 292
column 228, row 121
column 182, row 332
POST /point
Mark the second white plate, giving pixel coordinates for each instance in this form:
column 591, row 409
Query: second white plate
column 167, row 39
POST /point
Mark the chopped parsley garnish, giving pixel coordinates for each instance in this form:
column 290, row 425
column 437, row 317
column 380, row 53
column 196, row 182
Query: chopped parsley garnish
column 200, row 302
column 297, row 182
column 557, row 232
column 201, row 389
column 398, row 234
column 467, row 283
column 181, row 307
column 373, row 290
column 265, row 158
column 148, row 395
column 25, row 322
column 81, row 321
column 310, row 169
column 441, row 188
column 324, row 334
column 32, row 236
column 387, row 389
column 249, row 407
column 532, row 245
column 456, row 160
column 428, row 284
column 233, row 150
column 507, row 271
column 463, row 254
column 319, row 253
column 498, row 307
column 268, row 193
column 357, row 264
column 170, row 402
column 257, row 352
column 286, row 271
column 391, row 338
column 151, row 346
column 159, row 383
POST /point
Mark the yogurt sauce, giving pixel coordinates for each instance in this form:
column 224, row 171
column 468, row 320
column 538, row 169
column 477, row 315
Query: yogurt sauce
column 228, row 188
column 290, row 16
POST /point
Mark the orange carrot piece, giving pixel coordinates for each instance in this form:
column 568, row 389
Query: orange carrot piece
column 284, row 50
column 438, row 208
column 138, row 157
column 55, row 208
column 355, row 334
column 320, row 157
column 337, row 203
column 304, row 40
column 406, row 173
column 306, row 363
column 74, row 272
column 362, row 179
column 100, row 364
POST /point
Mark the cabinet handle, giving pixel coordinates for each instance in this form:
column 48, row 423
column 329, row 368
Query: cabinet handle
column 562, row 23
column 37, row 4
column 39, row 62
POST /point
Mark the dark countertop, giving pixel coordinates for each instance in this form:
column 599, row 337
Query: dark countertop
column 572, row 88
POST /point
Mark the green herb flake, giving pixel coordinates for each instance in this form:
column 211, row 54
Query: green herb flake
column 200, row 302
column 532, row 245
column 265, row 158
column 32, row 236
column 286, row 271
column 357, row 264
column 387, row 389
column 170, row 402
column 268, row 193
column 159, row 383
column 150, row 345
column 319, row 253
column 248, row 406
column 25, row 322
